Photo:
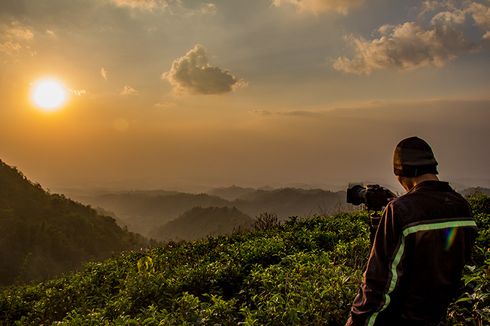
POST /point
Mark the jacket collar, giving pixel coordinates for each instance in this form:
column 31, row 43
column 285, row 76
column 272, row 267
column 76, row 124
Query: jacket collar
column 432, row 185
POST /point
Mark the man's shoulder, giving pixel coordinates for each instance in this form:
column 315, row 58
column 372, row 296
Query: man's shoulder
column 400, row 203
column 429, row 191
column 428, row 204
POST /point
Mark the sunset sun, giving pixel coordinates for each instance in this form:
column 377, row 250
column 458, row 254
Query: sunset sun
column 49, row 94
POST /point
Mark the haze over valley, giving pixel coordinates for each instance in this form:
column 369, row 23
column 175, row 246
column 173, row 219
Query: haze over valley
column 144, row 211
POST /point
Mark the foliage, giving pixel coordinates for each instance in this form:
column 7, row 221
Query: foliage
column 44, row 235
column 266, row 221
column 296, row 273
column 306, row 267
column 473, row 306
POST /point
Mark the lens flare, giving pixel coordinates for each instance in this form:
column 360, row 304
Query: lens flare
column 450, row 236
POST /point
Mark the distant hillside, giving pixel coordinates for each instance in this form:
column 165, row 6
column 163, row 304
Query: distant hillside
column 293, row 202
column 470, row 191
column 43, row 235
column 200, row 222
column 231, row 193
column 144, row 211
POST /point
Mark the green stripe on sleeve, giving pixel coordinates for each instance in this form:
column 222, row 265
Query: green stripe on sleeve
column 401, row 249
column 394, row 279
column 438, row 226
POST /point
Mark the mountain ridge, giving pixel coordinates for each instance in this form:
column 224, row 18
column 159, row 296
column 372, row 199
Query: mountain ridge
column 201, row 222
column 44, row 235
column 143, row 212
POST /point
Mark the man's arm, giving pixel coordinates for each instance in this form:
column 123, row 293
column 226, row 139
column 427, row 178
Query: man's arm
column 380, row 276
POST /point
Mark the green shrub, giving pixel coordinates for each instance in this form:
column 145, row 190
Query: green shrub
column 301, row 272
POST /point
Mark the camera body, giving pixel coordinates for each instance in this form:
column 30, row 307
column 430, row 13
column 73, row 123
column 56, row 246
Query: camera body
column 374, row 197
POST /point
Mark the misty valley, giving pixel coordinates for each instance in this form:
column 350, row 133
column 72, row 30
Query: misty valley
column 151, row 213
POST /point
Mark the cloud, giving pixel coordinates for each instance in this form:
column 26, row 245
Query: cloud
column 142, row 4
column 300, row 113
column 172, row 6
column 128, row 90
column 17, row 31
column 405, row 46
column 208, row 8
column 165, row 105
column 293, row 113
column 320, row 6
column 10, row 48
column 51, row 33
column 410, row 45
column 481, row 15
column 103, row 73
column 194, row 74
column 15, row 39
column 260, row 112
column 429, row 6
column 78, row 92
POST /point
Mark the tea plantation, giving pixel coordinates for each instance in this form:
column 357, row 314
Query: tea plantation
column 302, row 272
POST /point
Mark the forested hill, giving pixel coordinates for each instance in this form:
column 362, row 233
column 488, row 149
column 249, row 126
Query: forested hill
column 303, row 272
column 200, row 222
column 43, row 235
column 144, row 211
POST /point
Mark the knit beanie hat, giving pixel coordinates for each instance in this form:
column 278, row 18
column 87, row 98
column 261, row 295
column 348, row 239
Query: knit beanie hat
column 413, row 157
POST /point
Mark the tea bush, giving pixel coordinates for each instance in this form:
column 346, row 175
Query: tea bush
column 305, row 271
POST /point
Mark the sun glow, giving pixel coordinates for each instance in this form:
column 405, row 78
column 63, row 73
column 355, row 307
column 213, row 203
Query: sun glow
column 48, row 94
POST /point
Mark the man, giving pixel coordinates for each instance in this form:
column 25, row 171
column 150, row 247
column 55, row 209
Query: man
column 422, row 243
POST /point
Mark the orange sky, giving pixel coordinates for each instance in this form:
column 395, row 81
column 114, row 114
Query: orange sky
column 189, row 94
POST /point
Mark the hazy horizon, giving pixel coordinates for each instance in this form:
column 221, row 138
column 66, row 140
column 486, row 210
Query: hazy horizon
column 189, row 95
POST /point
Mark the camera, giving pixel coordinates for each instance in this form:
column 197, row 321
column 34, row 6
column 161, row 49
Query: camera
column 375, row 198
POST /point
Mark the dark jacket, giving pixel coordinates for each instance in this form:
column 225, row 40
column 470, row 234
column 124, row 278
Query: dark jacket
column 414, row 270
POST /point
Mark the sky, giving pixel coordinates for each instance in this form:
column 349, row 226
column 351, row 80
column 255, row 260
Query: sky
column 188, row 95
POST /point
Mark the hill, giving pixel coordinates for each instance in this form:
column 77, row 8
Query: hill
column 200, row 222
column 303, row 272
column 288, row 202
column 145, row 211
column 44, row 235
column 470, row 191
column 230, row 193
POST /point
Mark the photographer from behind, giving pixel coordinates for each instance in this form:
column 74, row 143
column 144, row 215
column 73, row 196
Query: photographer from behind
column 421, row 245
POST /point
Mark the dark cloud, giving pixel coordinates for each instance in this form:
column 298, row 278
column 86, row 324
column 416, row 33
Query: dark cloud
column 194, row 74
